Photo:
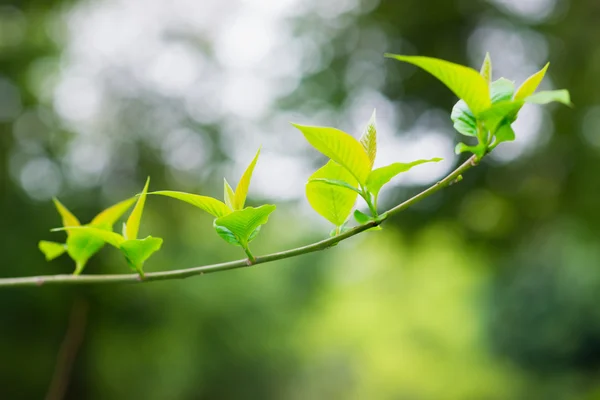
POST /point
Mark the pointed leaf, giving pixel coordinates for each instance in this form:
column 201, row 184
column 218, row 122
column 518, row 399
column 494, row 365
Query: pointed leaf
column 549, row 96
column 531, row 84
column 361, row 217
column 504, row 133
column 463, row 118
column 112, row 238
column 108, row 217
column 369, row 139
column 242, row 223
column 82, row 245
column 499, row 113
column 341, row 148
column 52, row 250
column 68, row 219
column 227, row 235
column 334, row 182
column 212, row 206
column 383, row 175
column 137, row 251
column 486, row 69
column 241, row 191
column 229, row 194
column 478, row 150
column 334, row 203
column 465, row 82
column 502, row 90
column 133, row 222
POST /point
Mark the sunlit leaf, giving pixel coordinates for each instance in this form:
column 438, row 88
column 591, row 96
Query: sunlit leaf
column 227, row 235
column 549, row 96
column 137, row 251
column 68, row 219
column 229, row 194
column 383, row 175
column 52, row 250
column 499, row 113
column 502, row 90
column 361, row 217
column 369, row 139
column 242, row 223
column 334, row 182
column 341, row 148
column 82, row 245
column 463, row 118
column 478, row 150
column 465, row 82
column 531, row 84
column 212, row 206
column 112, row 238
column 504, row 133
column 133, row 222
column 108, row 217
column 241, row 191
column 486, row 69
column 332, row 202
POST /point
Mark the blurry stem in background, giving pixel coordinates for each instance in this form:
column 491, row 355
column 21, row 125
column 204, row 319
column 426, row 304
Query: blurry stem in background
column 68, row 350
column 454, row 176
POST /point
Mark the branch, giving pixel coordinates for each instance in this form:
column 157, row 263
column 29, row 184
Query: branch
column 206, row 269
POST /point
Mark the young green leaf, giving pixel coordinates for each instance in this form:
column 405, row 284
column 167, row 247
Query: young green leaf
column 549, row 96
column 502, row 90
column 68, row 219
column 229, row 194
column 112, row 238
column 241, row 191
column 486, row 69
column 465, row 82
column 369, row 139
column 464, row 120
column 334, row 203
column 334, row 182
column 341, row 148
column 504, row 133
column 137, row 251
column 212, row 206
column 479, row 149
column 496, row 115
column 361, row 217
column 133, row 222
column 52, row 250
column 531, row 84
column 383, row 175
column 108, row 217
column 243, row 223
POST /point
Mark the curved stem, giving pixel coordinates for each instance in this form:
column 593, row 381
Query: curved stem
column 185, row 273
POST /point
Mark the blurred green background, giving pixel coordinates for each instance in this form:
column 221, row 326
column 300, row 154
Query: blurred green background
column 488, row 290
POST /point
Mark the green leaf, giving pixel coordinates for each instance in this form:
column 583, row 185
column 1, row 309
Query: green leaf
column 52, row 250
column 486, row 69
column 112, row 238
column 137, row 251
column 465, row 82
column 229, row 194
column 499, row 113
column 227, row 235
column 383, row 175
column 108, row 217
column 504, row 133
column 369, row 139
column 212, row 206
column 361, row 217
column 463, row 118
column 531, row 84
column 549, row 96
column 243, row 223
column 502, row 90
column 341, row 148
column 133, row 222
column 241, row 191
column 332, row 202
column 81, row 246
column 478, row 150
column 68, row 219
column 334, row 182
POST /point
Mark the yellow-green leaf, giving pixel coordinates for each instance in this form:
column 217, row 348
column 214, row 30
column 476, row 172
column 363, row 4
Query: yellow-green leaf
column 241, row 191
column 486, row 69
column 133, row 222
column 68, row 219
column 383, row 175
column 229, row 194
column 242, row 223
column 341, row 148
column 333, row 203
column 112, row 238
column 137, row 251
column 465, row 82
column 549, row 96
column 531, row 84
column 52, row 250
column 369, row 139
column 108, row 217
column 212, row 206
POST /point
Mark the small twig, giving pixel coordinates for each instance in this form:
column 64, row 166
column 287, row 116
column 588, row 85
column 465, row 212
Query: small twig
column 68, row 350
column 184, row 273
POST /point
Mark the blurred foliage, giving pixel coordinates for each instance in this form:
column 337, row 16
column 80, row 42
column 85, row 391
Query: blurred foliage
column 488, row 290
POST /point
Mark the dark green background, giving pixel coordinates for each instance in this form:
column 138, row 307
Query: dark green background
column 489, row 290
